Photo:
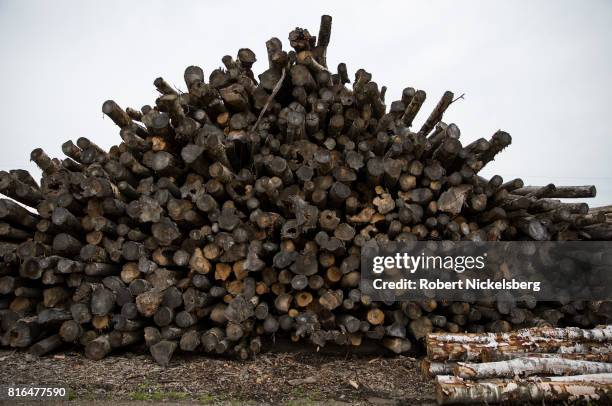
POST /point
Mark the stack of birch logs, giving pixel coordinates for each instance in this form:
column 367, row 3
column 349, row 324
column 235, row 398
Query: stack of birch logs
column 530, row 365
column 234, row 212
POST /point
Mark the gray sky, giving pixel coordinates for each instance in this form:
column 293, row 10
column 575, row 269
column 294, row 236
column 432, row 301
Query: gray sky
column 540, row 70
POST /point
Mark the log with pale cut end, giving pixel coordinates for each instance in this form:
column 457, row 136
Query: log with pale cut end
column 148, row 302
column 585, row 388
column 375, row 316
column 453, row 199
column 397, row 345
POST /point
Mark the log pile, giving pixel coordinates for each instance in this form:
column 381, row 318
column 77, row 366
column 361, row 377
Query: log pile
column 530, row 365
column 234, row 211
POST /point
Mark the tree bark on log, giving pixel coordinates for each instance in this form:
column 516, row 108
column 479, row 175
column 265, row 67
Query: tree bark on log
column 560, row 192
column 527, row 366
column 454, row 390
column 469, row 347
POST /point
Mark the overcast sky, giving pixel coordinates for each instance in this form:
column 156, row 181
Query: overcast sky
column 540, row 70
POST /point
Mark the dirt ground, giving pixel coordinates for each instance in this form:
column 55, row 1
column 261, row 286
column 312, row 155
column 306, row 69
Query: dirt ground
column 296, row 378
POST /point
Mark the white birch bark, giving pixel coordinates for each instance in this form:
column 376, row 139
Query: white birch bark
column 471, row 347
column 454, row 390
column 601, row 334
column 584, row 356
column 527, row 366
column 431, row 369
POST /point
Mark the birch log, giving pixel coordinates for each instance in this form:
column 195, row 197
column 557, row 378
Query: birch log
column 475, row 352
column 431, row 369
column 471, row 347
column 583, row 356
column 538, row 334
column 454, row 390
column 527, row 366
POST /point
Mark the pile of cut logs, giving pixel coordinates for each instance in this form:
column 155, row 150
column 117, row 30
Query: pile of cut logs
column 529, row 365
column 235, row 211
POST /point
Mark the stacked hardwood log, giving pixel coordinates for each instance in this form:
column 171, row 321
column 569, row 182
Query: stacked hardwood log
column 235, row 211
column 529, row 365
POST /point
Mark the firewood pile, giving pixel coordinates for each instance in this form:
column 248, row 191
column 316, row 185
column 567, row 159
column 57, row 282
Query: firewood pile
column 233, row 212
column 528, row 365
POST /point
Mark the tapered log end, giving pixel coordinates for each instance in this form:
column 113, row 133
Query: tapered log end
column 503, row 138
column 162, row 352
column 324, row 31
column 246, row 56
column 591, row 191
column 109, row 106
column 36, row 153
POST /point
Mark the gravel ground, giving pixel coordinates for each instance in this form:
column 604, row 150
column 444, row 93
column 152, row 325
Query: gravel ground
column 296, row 378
